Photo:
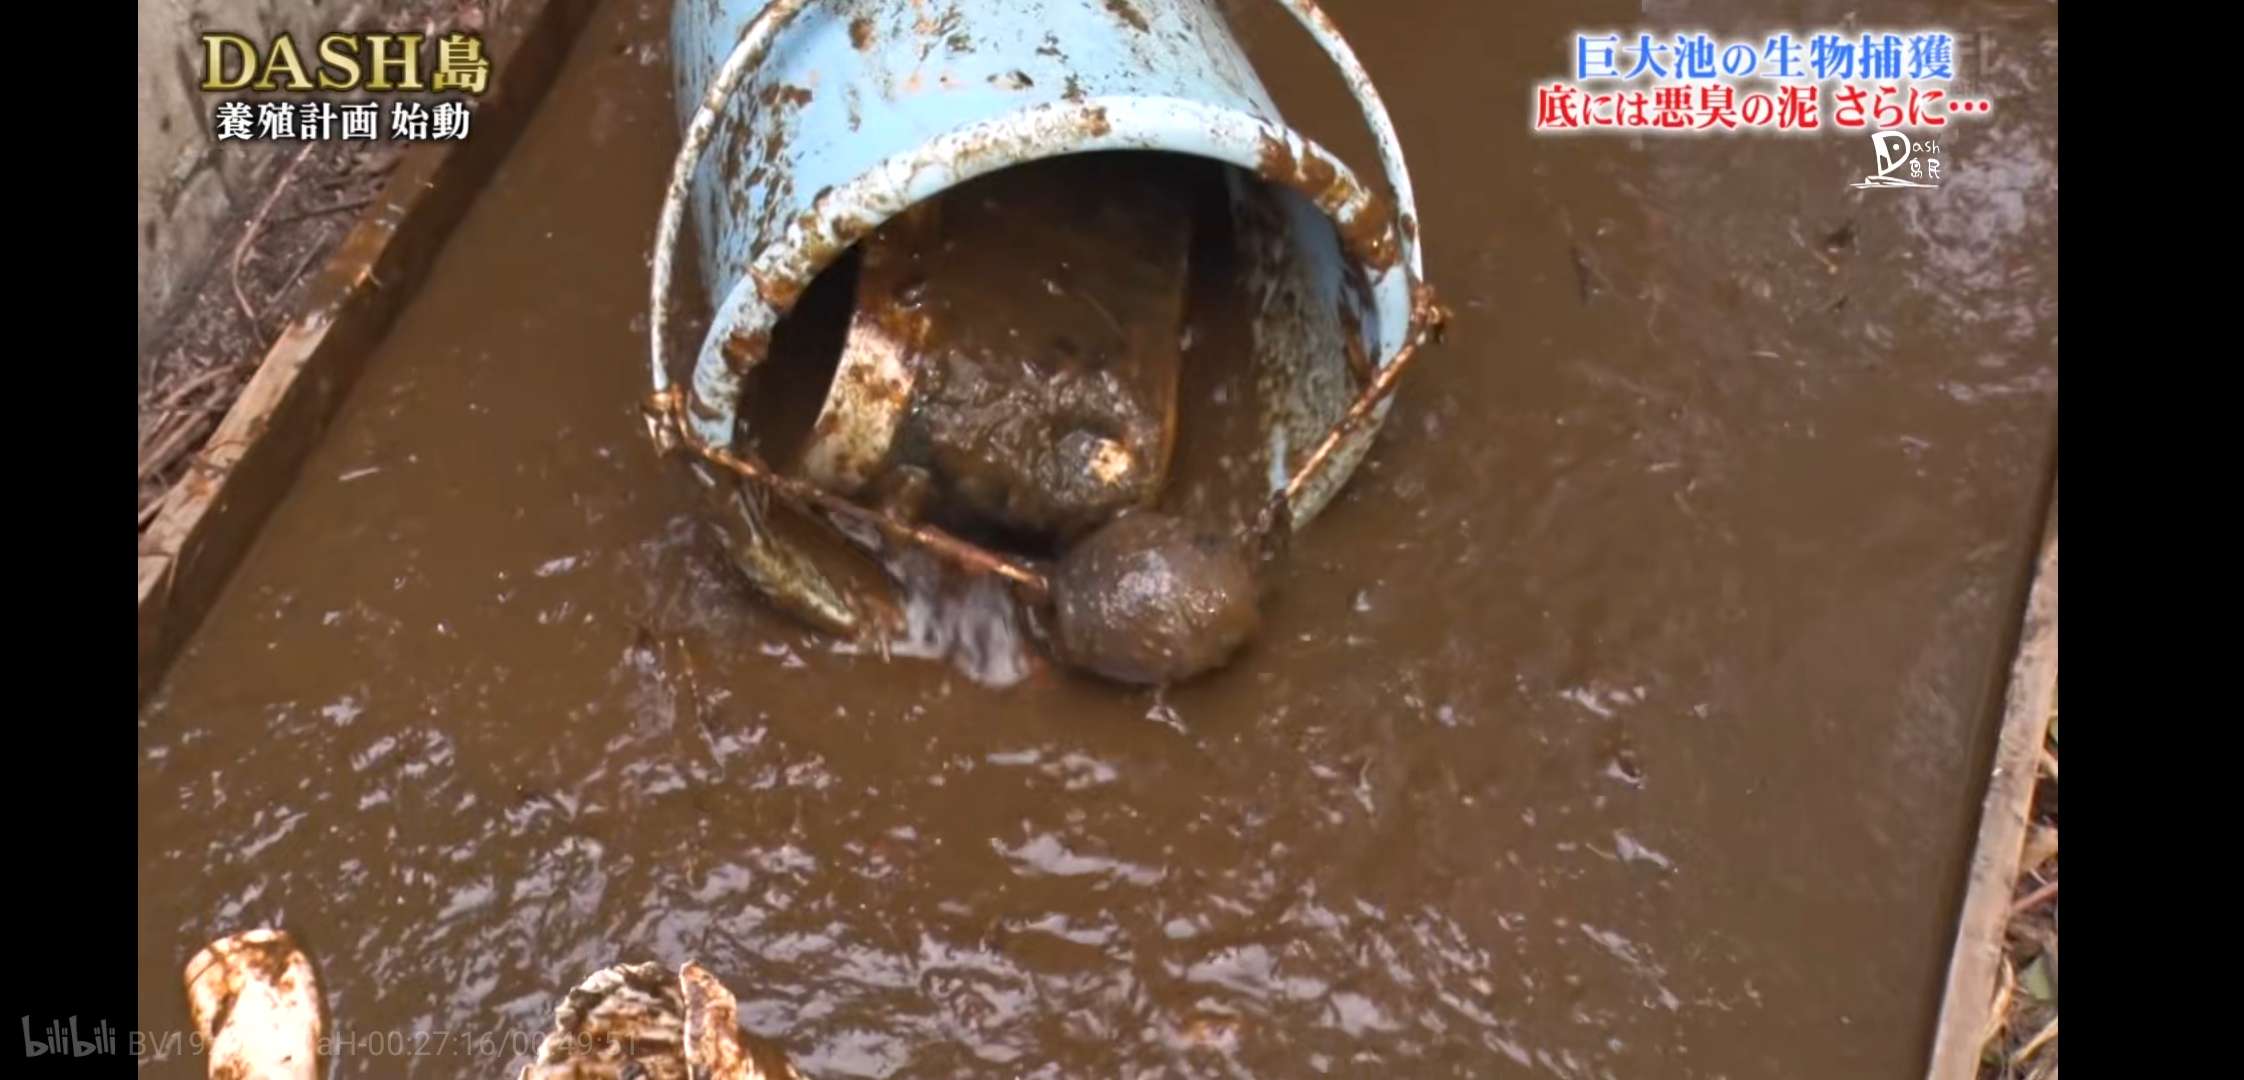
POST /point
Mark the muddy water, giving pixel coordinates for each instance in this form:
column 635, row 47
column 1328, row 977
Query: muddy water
column 1619, row 721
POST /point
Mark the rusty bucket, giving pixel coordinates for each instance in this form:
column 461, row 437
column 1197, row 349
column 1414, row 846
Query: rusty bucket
column 810, row 123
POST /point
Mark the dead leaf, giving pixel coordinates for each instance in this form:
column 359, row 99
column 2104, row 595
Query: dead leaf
column 2037, row 980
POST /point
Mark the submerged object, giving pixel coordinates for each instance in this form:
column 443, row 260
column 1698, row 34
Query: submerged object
column 640, row 1022
column 1152, row 599
column 256, row 1005
column 811, row 124
column 1015, row 340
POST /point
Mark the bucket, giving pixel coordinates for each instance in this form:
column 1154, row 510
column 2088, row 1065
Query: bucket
column 810, row 123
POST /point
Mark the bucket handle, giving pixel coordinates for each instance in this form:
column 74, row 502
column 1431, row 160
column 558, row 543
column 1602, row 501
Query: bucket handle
column 665, row 421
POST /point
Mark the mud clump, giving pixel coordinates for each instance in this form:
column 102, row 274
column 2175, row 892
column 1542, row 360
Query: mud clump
column 1028, row 325
column 1150, row 599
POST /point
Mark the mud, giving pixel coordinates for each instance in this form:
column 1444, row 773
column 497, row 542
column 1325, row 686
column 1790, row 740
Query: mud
column 1153, row 600
column 1624, row 718
column 1038, row 311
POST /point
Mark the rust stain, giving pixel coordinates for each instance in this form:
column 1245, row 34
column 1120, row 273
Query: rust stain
column 1323, row 182
column 934, row 31
column 861, row 33
column 1352, row 338
column 1369, row 235
column 779, row 292
column 774, row 141
column 1124, row 11
column 743, row 350
column 782, row 93
column 269, row 959
column 1275, row 161
column 848, row 230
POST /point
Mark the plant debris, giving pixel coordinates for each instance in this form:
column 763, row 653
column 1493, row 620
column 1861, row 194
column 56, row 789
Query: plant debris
column 258, row 270
column 2022, row 1044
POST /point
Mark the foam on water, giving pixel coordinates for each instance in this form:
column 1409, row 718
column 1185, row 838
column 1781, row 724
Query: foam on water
column 969, row 619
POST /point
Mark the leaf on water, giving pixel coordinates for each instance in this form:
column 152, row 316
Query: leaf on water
column 2036, row 980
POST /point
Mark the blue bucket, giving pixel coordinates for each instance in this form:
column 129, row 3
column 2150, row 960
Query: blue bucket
column 809, row 123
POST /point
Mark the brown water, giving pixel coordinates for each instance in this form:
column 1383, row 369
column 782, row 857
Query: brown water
column 1621, row 720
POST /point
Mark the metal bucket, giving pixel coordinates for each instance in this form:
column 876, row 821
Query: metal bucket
column 828, row 117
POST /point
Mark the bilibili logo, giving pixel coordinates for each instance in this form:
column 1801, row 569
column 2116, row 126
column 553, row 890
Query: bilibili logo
column 62, row 1039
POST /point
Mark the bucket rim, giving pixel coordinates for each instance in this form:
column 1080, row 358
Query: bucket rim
column 738, row 338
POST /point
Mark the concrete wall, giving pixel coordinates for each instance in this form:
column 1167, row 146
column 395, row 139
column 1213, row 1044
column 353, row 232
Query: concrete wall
column 193, row 190
column 190, row 188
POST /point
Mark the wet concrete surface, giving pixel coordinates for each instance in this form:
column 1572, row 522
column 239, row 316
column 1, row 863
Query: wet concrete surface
column 1622, row 719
